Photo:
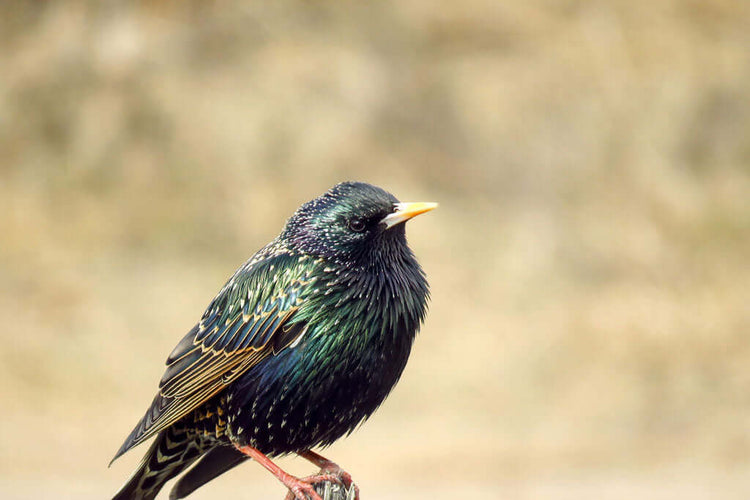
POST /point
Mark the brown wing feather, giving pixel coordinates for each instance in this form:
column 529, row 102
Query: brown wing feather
column 197, row 369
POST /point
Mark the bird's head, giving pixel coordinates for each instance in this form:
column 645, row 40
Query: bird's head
column 350, row 221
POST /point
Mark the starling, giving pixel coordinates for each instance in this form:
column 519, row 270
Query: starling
column 300, row 346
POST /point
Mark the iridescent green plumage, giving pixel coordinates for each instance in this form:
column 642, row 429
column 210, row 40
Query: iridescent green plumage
column 301, row 345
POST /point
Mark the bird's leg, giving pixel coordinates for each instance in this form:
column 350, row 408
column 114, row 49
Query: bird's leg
column 302, row 489
column 329, row 467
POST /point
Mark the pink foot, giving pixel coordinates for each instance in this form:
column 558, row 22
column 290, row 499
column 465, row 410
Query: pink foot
column 301, row 489
column 330, row 468
column 310, row 482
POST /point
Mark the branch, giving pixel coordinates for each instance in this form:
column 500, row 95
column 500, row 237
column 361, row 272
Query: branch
column 329, row 490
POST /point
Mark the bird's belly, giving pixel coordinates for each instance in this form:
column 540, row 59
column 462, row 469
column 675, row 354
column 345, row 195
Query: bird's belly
column 289, row 404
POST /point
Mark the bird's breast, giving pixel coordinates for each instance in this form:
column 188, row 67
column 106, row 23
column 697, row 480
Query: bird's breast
column 357, row 342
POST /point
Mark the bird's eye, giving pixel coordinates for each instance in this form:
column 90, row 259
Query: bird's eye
column 357, row 225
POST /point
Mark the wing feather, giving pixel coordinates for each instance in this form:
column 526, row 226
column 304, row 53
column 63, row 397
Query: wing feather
column 234, row 334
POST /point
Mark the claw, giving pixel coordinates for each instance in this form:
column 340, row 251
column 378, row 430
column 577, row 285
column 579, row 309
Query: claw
column 303, row 489
column 327, row 467
column 323, row 478
column 300, row 489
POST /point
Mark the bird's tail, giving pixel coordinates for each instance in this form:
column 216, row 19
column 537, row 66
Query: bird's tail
column 173, row 451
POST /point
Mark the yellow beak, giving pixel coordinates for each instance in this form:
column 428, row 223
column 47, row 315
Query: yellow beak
column 405, row 211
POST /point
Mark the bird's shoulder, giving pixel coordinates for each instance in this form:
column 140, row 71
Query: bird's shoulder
column 247, row 315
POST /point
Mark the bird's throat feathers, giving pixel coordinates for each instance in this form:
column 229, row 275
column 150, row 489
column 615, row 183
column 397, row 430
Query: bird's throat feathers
column 388, row 294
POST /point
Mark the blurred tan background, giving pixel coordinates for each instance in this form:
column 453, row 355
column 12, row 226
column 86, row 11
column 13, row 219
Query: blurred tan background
column 588, row 334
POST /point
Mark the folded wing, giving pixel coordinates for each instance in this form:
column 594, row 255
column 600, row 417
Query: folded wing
column 251, row 318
